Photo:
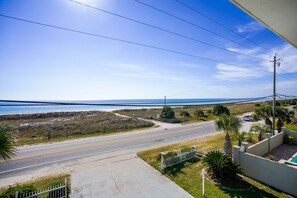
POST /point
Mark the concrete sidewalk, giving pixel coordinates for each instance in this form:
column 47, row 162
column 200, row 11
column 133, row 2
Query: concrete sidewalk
column 123, row 176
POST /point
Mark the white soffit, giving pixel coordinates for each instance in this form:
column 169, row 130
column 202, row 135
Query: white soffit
column 278, row 15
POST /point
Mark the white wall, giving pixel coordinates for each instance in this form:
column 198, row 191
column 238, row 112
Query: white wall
column 269, row 172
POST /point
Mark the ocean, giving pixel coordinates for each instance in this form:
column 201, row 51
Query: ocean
column 109, row 105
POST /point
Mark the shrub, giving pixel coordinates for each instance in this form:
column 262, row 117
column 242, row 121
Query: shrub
column 186, row 149
column 22, row 189
column 255, row 117
column 170, row 154
column 199, row 113
column 167, row 113
column 220, row 110
column 257, row 105
column 209, row 111
column 184, row 114
column 289, row 139
column 220, row 166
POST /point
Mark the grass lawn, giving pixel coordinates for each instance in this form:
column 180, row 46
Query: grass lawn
column 40, row 183
column 187, row 174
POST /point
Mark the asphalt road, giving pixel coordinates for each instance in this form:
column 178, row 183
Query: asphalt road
column 60, row 155
column 36, row 157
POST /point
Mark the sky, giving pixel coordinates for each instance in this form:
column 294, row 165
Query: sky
column 43, row 63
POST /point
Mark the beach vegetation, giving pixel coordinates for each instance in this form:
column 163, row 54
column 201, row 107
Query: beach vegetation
column 167, row 113
column 184, row 114
column 199, row 113
column 219, row 110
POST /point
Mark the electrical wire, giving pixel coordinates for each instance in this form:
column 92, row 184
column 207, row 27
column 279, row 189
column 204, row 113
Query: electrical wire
column 114, row 39
column 197, row 26
column 162, row 29
column 44, row 103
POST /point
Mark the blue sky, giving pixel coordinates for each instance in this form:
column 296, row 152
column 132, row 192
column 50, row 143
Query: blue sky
column 41, row 63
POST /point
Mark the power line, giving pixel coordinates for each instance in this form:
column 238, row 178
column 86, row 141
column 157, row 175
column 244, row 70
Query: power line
column 162, row 29
column 44, row 103
column 198, row 26
column 220, row 24
column 114, row 39
column 226, row 27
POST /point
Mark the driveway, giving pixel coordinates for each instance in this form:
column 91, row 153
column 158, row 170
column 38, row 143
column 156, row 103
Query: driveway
column 122, row 177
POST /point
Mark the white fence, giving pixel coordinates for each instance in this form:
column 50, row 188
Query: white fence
column 57, row 191
column 277, row 175
column 183, row 156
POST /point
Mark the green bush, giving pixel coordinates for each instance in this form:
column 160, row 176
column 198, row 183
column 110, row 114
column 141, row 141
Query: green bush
column 220, row 166
column 255, row 117
column 170, row 154
column 22, row 189
column 209, row 111
column 289, row 139
column 186, row 149
column 199, row 113
column 257, row 105
column 167, row 113
column 220, row 110
column 184, row 114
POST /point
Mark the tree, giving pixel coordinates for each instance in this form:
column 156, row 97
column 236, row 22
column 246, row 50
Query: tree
column 220, row 110
column 240, row 137
column 167, row 113
column 283, row 115
column 229, row 124
column 260, row 130
column 199, row 113
column 265, row 112
column 7, row 149
column 220, row 166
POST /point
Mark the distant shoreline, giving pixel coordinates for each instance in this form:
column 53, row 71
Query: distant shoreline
column 151, row 104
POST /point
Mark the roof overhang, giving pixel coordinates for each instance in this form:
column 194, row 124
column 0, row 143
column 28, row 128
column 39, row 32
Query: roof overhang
column 280, row 16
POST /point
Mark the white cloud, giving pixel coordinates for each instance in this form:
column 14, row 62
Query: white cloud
column 260, row 62
column 231, row 72
column 250, row 27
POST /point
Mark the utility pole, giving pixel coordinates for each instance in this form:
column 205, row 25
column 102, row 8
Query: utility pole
column 275, row 61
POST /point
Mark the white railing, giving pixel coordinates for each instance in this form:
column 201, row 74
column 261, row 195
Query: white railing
column 181, row 157
column 57, row 191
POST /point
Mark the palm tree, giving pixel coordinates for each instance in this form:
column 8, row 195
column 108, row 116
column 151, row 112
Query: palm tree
column 229, row 124
column 220, row 165
column 260, row 130
column 283, row 115
column 265, row 112
column 7, row 149
column 240, row 137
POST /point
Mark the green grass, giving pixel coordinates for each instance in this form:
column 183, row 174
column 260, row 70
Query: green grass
column 291, row 127
column 187, row 174
column 42, row 183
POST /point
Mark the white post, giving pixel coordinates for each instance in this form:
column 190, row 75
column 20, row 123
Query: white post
column 203, row 174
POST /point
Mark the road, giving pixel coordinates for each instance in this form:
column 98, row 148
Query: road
column 33, row 158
